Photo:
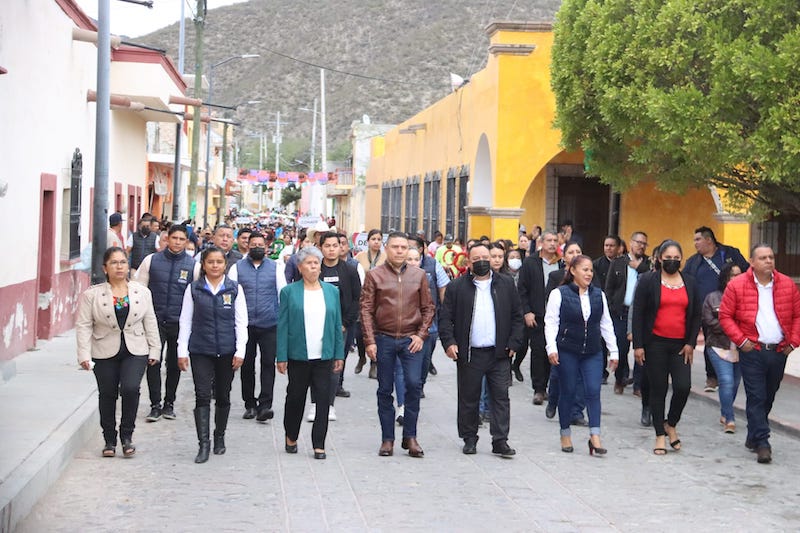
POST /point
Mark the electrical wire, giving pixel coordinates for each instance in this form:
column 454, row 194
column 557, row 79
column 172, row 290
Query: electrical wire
column 344, row 72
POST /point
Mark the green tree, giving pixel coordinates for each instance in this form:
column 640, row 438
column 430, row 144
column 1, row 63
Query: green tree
column 289, row 195
column 687, row 92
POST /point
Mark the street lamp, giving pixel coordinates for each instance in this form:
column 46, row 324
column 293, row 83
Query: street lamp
column 208, row 134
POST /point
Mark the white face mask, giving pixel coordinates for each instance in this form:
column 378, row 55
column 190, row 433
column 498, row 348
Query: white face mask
column 515, row 264
column 190, row 253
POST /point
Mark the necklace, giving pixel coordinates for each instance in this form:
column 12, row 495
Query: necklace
column 671, row 286
column 121, row 303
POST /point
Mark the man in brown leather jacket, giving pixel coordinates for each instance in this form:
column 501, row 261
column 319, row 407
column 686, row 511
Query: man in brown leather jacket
column 396, row 312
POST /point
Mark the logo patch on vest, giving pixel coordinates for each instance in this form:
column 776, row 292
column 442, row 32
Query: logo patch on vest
column 227, row 299
column 183, row 276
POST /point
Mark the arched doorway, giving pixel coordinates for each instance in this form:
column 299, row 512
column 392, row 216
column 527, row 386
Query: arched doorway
column 482, row 188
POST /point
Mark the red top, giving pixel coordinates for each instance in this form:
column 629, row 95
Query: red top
column 671, row 316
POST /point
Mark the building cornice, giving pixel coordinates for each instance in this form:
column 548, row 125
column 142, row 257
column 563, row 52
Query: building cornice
column 500, row 25
column 73, row 11
column 498, row 49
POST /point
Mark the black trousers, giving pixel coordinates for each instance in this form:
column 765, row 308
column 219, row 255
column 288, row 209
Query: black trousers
column 662, row 361
column 212, row 376
column 120, row 375
column 169, row 337
column 302, row 375
column 266, row 340
column 470, row 373
column 540, row 365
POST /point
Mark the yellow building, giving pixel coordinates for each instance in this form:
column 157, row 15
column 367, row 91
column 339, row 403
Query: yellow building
column 486, row 158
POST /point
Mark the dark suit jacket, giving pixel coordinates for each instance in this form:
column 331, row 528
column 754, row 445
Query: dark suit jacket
column 455, row 315
column 617, row 282
column 647, row 300
column 531, row 287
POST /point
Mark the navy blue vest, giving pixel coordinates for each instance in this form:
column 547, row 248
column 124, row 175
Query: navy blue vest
column 141, row 247
column 260, row 290
column 170, row 274
column 428, row 264
column 214, row 320
column 574, row 334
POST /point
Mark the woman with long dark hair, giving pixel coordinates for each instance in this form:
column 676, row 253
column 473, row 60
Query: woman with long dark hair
column 665, row 323
column 117, row 336
column 722, row 354
column 575, row 320
column 213, row 334
column 370, row 258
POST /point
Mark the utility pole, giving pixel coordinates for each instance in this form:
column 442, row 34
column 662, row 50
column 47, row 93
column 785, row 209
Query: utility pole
column 278, row 141
column 324, row 148
column 101, row 150
column 199, row 26
column 313, row 136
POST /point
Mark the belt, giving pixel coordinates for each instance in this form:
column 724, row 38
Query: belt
column 768, row 347
column 483, row 348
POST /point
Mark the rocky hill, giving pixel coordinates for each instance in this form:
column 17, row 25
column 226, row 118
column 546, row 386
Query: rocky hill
column 411, row 46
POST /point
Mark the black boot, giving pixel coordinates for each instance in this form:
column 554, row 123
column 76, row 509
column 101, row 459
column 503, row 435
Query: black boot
column 220, row 423
column 202, row 421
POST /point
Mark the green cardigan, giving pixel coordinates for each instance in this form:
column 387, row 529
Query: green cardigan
column 291, row 324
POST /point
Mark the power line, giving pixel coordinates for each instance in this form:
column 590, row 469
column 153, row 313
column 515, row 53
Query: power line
column 338, row 71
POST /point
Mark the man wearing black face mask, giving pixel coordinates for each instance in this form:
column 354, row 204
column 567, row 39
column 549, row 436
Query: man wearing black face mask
column 481, row 328
column 142, row 243
column 261, row 279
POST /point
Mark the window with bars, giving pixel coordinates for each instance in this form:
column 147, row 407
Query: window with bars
column 76, row 180
column 412, row 205
column 436, row 189
column 385, row 206
column 450, row 199
column 426, row 208
column 463, row 190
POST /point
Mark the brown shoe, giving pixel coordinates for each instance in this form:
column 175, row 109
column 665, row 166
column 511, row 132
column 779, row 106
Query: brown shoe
column 538, row 398
column 413, row 447
column 619, row 388
column 764, row 455
column 387, row 448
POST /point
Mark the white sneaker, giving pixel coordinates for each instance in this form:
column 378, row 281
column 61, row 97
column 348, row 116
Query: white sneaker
column 312, row 413
column 401, row 411
column 332, row 414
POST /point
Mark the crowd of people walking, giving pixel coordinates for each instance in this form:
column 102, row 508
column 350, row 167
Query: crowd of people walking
column 218, row 302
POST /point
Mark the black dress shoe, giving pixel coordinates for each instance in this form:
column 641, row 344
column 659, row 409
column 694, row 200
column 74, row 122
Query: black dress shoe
column 319, row 455
column 432, row 370
column 470, row 447
column 264, row 414
column 341, row 393
column 750, row 446
column 550, row 410
column 646, row 419
column 538, row 398
column 290, row 448
column 518, row 374
column 249, row 413
column 503, row 449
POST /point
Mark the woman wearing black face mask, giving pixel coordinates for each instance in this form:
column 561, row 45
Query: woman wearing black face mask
column 666, row 320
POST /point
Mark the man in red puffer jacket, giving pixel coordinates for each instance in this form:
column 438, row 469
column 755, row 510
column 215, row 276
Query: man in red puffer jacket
column 760, row 313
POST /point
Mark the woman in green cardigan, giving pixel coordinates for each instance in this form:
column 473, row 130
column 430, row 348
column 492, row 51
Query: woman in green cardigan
column 310, row 345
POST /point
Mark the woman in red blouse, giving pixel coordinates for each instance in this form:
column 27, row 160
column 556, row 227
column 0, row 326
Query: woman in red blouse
column 666, row 320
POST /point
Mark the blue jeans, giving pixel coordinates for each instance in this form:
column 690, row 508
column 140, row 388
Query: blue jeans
column 590, row 368
column 427, row 354
column 729, row 375
column 554, row 391
column 762, row 372
column 399, row 385
column 483, row 404
column 390, row 351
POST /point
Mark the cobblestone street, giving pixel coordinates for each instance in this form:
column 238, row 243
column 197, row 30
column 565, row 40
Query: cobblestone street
column 714, row 483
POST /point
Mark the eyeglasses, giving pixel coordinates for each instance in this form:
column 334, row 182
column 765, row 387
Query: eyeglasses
column 122, row 262
column 643, row 243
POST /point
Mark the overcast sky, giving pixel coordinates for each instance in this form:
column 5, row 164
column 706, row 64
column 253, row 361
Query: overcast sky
column 135, row 20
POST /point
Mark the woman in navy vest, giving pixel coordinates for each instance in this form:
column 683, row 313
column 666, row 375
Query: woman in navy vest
column 575, row 319
column 213, row 334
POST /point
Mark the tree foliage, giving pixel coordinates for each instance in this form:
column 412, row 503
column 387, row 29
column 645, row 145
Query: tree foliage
column 688, row 92
column 289, row 195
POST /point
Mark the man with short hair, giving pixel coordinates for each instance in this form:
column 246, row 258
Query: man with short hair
column 261, row 280
column 437, row 281
column 760, row 313
column 601, row 265
column 167, row 274
column 533, row 276
column 396, row 314
column 705, row 266
column 223, row 239
column 242, row 239
column 141, row 243
column 114, row 236
column 482, row 328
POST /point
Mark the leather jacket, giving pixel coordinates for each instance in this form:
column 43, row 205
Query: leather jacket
column 396, row 303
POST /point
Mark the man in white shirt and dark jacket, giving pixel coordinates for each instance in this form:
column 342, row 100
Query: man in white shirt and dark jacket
column 481, row 329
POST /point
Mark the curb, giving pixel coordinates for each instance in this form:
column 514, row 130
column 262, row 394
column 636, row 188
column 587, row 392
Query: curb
column 31, row 480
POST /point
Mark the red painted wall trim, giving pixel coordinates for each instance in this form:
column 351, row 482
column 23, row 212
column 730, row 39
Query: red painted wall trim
column 73, row 11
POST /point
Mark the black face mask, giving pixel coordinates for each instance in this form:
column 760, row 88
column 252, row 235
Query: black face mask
column 257, row 254
column 145, row 231
column 670, row 266
column 481, row 268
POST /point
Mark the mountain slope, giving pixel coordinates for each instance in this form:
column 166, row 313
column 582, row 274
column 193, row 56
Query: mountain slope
column 413, row 43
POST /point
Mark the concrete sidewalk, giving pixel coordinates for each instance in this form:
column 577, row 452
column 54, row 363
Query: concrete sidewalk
column 50, row 410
